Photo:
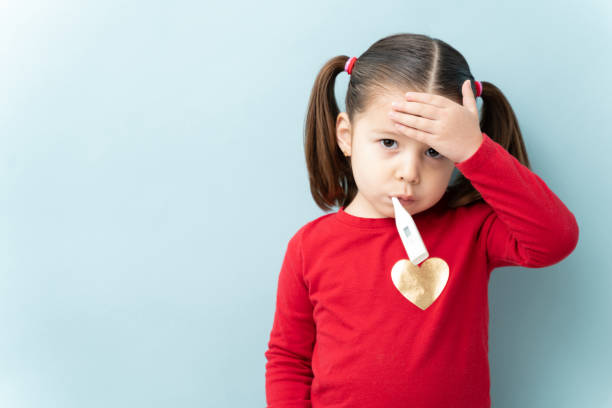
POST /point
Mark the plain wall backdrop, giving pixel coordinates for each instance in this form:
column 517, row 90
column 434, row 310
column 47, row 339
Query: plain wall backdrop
column 152, row 172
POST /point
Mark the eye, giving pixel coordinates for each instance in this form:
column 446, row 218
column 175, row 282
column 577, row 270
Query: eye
column 387, row 140
column 438, row 155
column 385, row 143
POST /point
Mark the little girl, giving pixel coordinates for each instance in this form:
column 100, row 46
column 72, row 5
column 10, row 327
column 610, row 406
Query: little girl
column 345, row 334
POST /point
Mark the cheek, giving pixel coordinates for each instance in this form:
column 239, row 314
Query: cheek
column 368, row 173
column 442, row 177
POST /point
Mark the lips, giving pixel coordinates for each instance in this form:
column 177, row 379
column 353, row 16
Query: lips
column 404, row 197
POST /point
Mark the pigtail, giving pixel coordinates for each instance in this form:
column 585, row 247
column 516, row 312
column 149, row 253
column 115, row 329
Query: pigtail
column 329, row 171
column 500, row 123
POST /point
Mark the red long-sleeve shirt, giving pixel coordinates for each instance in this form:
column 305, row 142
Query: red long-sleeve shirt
column 344, row 336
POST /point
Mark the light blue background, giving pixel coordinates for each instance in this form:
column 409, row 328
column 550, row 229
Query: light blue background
column 152, row 172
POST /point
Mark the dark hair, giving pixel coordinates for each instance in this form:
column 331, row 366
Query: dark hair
column 400, row 61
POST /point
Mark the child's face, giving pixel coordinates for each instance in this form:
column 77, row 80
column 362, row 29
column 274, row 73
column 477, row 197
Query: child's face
column 386, row 164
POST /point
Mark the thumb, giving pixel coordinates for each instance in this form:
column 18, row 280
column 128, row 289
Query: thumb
column 469, row 101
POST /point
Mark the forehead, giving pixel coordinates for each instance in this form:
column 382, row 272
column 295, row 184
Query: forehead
column 375, row 116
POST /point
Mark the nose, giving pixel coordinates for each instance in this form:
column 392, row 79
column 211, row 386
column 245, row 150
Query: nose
column 408, row 171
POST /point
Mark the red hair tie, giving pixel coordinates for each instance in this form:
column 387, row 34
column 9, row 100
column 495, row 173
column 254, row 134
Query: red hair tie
column 348, row 67
column 478, row 88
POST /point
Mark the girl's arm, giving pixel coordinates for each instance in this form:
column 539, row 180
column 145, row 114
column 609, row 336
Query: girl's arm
column 529, row 226
column 288, row 368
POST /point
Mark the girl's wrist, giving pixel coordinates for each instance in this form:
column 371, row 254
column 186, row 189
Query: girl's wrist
column 474, row 149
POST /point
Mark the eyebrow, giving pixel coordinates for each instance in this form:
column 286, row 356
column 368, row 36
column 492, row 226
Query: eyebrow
column 386, row 132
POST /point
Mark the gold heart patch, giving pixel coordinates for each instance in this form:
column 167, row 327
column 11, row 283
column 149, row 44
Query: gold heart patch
column 420, row 285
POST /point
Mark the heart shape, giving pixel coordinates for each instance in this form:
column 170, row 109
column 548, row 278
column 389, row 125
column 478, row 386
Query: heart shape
column 420, row 285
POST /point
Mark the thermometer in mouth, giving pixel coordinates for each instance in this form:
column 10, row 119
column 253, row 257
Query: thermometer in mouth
column 413, row 243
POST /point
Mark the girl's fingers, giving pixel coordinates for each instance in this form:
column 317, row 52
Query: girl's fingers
column 427, row 98
column 416, row 122
column 416, row 134
column 416, row 108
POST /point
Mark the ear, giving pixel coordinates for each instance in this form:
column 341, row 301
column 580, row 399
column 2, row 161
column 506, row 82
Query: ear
column 343, row 133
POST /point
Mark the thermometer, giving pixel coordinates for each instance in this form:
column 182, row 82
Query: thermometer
column 415, row 247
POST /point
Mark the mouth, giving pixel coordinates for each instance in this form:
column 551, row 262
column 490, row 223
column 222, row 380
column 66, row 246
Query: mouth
column 403, row 198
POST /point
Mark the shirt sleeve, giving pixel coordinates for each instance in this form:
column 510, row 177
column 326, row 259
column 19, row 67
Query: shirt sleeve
column 529, row 225
column 289, row 354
